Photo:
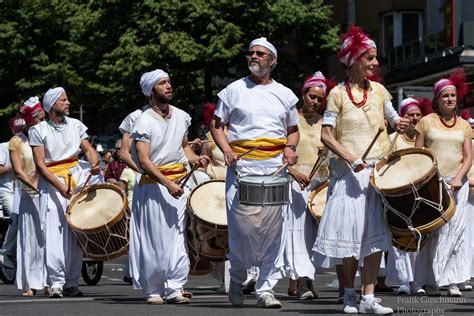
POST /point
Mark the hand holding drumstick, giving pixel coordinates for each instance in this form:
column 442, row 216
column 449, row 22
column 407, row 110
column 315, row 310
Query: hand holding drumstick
column 359, row 164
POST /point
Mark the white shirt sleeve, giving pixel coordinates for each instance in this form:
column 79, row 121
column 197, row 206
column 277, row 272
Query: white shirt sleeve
column 390, row 114
column 141, row 131
column 3, row 154
column 34, row 137
column 222, row 109
column 82, row 130
column 292, row 119
column 329, row 118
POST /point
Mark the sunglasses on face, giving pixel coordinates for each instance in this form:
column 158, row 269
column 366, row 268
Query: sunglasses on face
column 259, row 53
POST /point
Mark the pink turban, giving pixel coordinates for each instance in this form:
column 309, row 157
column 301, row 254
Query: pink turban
column 456, row 80
column 355, row 43
column 315, row 80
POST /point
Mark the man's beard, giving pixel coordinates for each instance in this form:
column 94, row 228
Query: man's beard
column 257, row 70
column 163, row 99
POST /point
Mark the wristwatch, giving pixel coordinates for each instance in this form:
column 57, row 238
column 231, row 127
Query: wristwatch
column 292, row 147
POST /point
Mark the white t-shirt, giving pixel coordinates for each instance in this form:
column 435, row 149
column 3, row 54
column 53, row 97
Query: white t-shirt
column 6, row 179
column 127, row 124
column 165, row 136
column 256, row 110
column 60, row 141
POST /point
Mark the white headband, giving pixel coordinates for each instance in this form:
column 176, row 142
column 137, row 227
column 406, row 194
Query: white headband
column 262, row 41
column 148, row 80
column 51, row 96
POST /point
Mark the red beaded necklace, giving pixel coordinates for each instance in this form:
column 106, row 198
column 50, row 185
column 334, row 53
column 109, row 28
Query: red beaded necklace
column 351, row 97
column 446, row 123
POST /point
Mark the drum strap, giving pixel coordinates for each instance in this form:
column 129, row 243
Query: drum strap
column 172, row 172
column 61, row 168
column 268, row 147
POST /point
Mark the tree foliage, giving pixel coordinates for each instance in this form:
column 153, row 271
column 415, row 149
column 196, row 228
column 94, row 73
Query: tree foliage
column 98, row 49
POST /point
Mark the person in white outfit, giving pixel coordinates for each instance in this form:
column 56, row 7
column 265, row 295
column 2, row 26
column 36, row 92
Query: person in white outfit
column 31, row 267
column 258, row 111
column 302, row 227
column 158, row 259
column 353, row 226
column 56, row 144
column 444, row 260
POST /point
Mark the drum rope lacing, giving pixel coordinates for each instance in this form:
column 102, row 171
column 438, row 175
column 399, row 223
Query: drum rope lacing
column 201, row 239
column 417, row 200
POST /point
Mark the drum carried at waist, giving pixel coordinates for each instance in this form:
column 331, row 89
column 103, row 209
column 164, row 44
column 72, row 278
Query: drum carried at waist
column 414, row 194
column 263, row 190
column 99, row 217
column 317, row 201
column 207, row 225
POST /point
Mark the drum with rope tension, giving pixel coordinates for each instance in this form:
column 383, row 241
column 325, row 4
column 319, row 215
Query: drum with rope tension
column 99, row 217
column 207, row 225
column 414, row 195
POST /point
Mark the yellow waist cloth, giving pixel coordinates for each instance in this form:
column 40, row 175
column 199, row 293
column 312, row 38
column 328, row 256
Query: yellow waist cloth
column 268, row 147
column 62, row 168
column 172, row 172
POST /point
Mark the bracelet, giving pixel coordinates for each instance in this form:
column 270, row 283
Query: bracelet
column 356, row 162
column 291, row 146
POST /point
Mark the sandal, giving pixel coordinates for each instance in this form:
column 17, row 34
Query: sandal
column 187, row 294
column 30, row 292
column 292, row 292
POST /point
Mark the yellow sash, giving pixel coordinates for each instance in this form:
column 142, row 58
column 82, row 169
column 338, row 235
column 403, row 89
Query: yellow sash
column 62, row 168
column 269, row 147
column 172, row 172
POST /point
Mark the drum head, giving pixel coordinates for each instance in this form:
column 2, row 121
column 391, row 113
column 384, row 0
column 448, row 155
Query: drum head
column 402, row 168
column 268, row 180
column 208, row 202
column 95, row 207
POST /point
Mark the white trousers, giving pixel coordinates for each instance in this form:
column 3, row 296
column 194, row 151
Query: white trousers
column 256, row 238
column 63, row 253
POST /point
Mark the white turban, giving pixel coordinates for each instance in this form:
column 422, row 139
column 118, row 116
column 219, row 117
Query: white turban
column 148, row 80
column 51, row 96
column 262, row 41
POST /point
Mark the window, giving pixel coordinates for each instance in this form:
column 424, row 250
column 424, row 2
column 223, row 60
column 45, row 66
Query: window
column 401, row 27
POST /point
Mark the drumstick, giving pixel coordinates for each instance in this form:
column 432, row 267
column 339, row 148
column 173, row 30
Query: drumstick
column 316, row 166
column 381, row 129
column 392, row 143
column 87, row 180
column 202, row 141
column 280, row 169
column 69, row 184
column 248, row 152
column 183, row 181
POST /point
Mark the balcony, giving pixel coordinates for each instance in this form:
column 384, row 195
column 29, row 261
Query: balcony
column 416, row 51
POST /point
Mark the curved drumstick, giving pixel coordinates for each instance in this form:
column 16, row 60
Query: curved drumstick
column 280, row 169
column 87, row 180
column 317, row 164
column 381, row 129
column 247, row 152
column 69, row 184
column 183, row 181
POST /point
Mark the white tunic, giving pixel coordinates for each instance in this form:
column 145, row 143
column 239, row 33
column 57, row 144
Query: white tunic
column 158, row 259
column 256, row 234
column 63, row 254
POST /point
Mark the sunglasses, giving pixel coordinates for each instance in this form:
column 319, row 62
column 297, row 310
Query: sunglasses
column 259, row 53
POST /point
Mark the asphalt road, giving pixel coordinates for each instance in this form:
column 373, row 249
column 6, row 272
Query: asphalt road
column 114, row 297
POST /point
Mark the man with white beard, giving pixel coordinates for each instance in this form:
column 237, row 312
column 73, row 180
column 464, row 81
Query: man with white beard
column 258, row 111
